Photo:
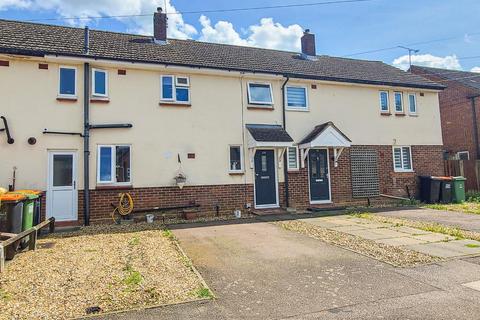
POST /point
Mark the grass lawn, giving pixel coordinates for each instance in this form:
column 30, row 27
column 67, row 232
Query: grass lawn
column 467, row 207
column 100, row 268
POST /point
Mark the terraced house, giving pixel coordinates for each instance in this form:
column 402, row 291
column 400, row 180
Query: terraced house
column 227, row 127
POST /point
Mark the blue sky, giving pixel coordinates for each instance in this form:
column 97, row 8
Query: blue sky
column 340, row 29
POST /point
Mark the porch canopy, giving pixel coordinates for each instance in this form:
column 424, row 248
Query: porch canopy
column 267, row 136
column 325, row 135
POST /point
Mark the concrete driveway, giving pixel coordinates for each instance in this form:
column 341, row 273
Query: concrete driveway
column 258, row 270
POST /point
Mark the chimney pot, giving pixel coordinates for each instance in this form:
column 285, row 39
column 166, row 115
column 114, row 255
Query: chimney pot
column 308, row 44
column 160, row 26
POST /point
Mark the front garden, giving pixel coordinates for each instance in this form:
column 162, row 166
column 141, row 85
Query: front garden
column 98, row 269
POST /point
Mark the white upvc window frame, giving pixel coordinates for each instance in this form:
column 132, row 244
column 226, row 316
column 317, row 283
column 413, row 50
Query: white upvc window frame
column 64, row 95
column 296, row 108
column 297, row 162
column 261, row 103
column 380, row 100
column 96, row 94
column 113, row 180
column 242, row 169
column 414, row 95
column 401, row 159
column 395, row 93
column 175, row 84
column 457, row 155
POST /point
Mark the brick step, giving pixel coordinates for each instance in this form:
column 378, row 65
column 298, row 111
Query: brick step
column 267, row 212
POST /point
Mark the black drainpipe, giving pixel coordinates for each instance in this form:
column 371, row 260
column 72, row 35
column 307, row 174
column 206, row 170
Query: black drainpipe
column 285, row 155
column 475, row 126
column 86, row 134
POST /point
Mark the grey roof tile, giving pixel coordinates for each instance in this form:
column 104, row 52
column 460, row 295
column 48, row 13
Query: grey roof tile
column 470, row 79
column 39, row 39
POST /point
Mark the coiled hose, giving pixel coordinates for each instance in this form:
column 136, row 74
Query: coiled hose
column 125, row 207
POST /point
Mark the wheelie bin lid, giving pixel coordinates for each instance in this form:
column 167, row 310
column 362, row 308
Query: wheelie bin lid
column 30, row 191
column 443, row 178
column 12, row 197
column 29, row 194
column 459, row 178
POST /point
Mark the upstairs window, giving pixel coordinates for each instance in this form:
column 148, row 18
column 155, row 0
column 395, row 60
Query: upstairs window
column 175, row 89
column 260, row 93
column 402, row 159
column 68, row 82
column 398, row 102
column 296, row 98
column 292, row 157
column 99, row 83
column 113, row 164
column 384, row 105
column 236, row 159
column 412, row 103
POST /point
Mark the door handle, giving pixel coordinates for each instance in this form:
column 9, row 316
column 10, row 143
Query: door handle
column 74, row 184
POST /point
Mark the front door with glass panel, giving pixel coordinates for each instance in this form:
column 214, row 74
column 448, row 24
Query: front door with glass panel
column 265, row 179
column 62, row 186
column 318, row 175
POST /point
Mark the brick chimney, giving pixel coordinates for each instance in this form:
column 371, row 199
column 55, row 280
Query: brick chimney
column 308, row 44
column 160, row 26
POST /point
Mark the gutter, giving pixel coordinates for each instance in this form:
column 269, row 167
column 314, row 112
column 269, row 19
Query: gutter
column 285, row 154
column 93, row 58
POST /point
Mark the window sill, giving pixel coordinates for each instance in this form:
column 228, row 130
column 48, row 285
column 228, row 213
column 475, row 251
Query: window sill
column 114, row 187
column 236, row 173
column 413, row 115
column 298, row 109
column 293, row 171
column 400, row 114
column 404, row 171
column 99, row 100
column 267, row 107
column 174, row 104
column 67, row 98
column 385, row 113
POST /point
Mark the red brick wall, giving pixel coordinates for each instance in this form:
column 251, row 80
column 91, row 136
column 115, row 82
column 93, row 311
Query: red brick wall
column 456, row 115
column 426, row 160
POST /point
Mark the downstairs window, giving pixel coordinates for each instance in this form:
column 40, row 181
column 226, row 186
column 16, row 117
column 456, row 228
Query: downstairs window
column 402, row 159
column 113, row 164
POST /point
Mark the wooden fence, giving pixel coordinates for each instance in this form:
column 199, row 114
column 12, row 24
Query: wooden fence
column 469, row 169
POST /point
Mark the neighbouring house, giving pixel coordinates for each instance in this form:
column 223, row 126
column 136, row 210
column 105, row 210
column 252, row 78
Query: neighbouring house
column 459, row 112
column 95, row 113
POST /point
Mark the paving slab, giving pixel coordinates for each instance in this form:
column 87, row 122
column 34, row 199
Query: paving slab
column 434, row 237
column 410, row 230
column 465, row 221
column 375, row 234
column 402, row 241
column 472, row 285
column 450, row 249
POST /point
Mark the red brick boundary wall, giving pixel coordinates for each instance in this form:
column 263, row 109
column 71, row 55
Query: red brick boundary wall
column 224, row 199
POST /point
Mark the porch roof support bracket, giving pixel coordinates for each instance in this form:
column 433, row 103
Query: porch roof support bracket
column 304, row 154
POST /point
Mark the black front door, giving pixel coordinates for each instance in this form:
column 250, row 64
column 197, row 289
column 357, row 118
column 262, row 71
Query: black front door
column 265, row 180
column 318, row 175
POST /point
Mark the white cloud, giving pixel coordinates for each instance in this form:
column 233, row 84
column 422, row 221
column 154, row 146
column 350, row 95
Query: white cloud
column 428, row 60
column 267, row 34
column 221, row 32
column 475, row 69
column 177, row 28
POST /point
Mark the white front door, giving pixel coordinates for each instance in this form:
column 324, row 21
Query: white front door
column 62, row 185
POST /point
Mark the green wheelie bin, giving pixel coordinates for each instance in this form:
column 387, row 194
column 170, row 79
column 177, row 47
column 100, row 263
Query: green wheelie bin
column 458, row 189
column 28, row 212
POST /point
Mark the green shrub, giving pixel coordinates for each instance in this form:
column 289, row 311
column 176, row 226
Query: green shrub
column 473, row 196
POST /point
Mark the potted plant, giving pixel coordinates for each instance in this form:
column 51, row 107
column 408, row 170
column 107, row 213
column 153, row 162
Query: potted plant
column 180, row 179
